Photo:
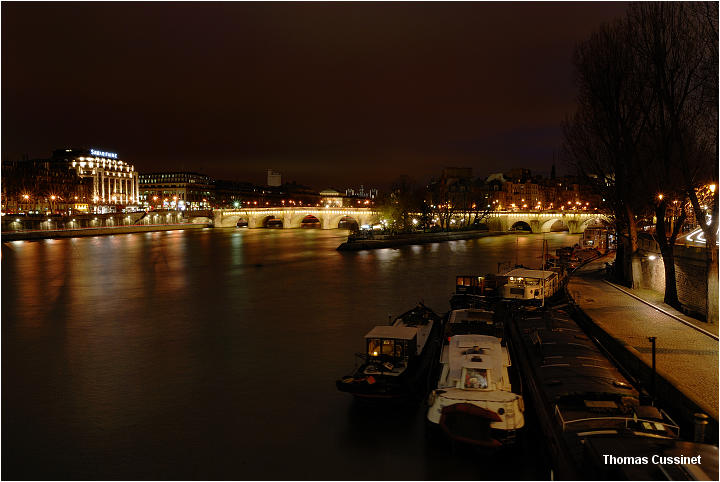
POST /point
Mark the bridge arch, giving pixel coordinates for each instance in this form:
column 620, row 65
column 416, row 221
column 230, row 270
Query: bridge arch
column 598, row 221
column 272, row 222
column 310, row 221
column 555, row 224
column 521, row 226
column 348, row 222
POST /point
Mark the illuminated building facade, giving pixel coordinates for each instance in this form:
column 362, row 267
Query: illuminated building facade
column 176, row 190
column 114, row 181
column 331, row 198
column 71, row 180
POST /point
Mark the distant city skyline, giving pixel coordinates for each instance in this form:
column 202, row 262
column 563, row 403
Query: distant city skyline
column 327, row 94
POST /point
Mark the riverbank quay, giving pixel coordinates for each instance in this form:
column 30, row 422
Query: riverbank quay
column 686, row 380
column 102, row 231
column 419, row 238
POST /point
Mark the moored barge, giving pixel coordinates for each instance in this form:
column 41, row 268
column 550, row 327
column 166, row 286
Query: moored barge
column 398, row 358
column 586, row 409
column 473, row 401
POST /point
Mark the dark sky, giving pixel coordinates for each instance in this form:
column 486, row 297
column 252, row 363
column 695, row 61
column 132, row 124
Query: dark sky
column 330, row 94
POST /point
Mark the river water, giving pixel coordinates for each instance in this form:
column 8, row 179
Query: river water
column 212, row 354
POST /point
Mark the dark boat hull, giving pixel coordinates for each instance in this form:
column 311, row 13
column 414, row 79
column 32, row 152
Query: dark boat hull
column 470, row 424
column 413, row 383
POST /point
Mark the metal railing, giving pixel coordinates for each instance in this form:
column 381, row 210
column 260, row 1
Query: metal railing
column 622, row 421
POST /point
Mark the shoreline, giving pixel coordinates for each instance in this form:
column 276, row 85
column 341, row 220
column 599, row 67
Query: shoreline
column 419, row 238
column 100, row 231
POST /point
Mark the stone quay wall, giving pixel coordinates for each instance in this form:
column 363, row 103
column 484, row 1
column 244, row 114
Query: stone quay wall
column 691, row 271
column 20, row 227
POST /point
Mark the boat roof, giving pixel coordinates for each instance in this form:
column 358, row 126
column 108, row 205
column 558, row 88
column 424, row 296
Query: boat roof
column 471, row 314
column 394, row 332
column 530, row 273
column 570, row 364
column 490, row 356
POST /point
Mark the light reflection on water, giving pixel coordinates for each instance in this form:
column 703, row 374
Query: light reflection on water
column 212, row 354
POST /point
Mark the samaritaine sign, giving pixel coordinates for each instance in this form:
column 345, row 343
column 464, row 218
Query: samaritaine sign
column 95, row 152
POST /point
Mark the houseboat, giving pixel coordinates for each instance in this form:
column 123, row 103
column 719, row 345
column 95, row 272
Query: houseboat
column 531, row 284
column 586, row 408
column 475, row 291
column 398, row 358
column 473, row 401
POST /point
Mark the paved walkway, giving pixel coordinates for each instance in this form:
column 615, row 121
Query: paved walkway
column 685, row 357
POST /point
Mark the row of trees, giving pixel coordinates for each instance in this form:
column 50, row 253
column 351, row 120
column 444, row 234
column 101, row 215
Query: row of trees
column 645, row 132
column 454, row 205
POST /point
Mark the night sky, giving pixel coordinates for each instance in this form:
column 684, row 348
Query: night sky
column 336, row 94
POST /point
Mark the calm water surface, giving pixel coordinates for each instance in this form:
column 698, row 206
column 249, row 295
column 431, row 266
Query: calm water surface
column 212, row 354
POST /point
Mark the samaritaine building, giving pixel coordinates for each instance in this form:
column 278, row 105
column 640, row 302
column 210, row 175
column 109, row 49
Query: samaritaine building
column 114, row 181
column 71, row 180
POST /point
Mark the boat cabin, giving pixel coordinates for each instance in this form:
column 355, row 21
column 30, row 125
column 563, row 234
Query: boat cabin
column 530, row 284
column 393, row 344
column 475, row 285
column 472, row 321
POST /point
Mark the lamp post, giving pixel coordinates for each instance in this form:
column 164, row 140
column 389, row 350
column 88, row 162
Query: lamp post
column 652, row 380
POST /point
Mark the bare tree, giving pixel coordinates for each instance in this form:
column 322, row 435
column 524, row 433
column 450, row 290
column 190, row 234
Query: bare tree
column 646, row 124
column 603, row 137
column 676, row 49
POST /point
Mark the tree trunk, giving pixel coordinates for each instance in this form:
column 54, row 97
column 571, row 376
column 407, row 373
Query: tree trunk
column 668, row 255
column 671, row 296
column 631, row 249
column 711, row 302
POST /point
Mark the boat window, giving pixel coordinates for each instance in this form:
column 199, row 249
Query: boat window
column 388, row 347
column 476, row 378
column 374, row 347
column 382, row 346
column 464, row 281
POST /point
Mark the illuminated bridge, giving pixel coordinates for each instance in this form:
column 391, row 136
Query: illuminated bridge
column 544, row 221
column 332, row 218
column 295, row 217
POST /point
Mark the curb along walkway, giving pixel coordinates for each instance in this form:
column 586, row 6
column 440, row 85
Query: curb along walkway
column 686, row 357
